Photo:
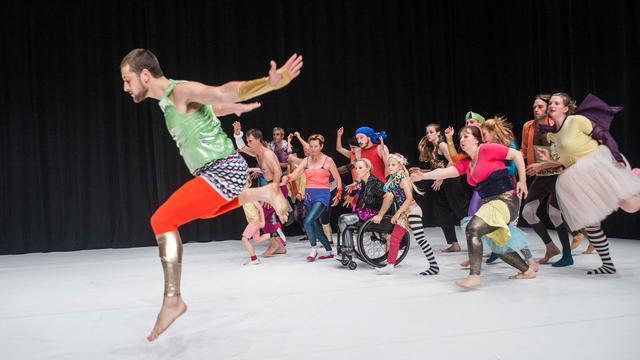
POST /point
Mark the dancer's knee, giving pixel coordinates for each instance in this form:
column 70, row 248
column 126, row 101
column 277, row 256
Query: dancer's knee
column 161, row 222
column 529, row 212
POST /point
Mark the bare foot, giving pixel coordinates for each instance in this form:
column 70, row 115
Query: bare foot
column 577, row 240
column 470, row 282
column 455, row 247
column 529, row 274
column 551, row 252
column 533, row 265
column 589, row 249
column 465, row 264
column 279, row 248
column 271, row 248
column 172, row 308
column 279, row 203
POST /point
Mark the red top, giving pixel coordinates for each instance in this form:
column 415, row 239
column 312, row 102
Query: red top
column 490, row 158
column 376, row 162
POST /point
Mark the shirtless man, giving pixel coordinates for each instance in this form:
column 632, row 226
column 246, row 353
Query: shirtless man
column 272, row 173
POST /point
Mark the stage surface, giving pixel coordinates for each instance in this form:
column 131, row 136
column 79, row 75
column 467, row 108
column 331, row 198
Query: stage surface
column 101, row 304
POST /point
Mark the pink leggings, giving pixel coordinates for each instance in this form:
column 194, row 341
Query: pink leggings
column 394, row 243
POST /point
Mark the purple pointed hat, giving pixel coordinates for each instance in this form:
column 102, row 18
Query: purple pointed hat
column 598, row 111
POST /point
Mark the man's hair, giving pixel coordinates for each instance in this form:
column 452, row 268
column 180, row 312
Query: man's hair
column 278, row 129
column 543, row 97
column 139, row 59
column 257, row 134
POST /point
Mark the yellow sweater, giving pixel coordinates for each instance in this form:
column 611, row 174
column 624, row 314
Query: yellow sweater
column 574, row 139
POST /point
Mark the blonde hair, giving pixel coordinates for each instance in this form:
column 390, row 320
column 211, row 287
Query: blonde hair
column 316, row 137
column 403, row 168
column 502, row 128
column 366, row 162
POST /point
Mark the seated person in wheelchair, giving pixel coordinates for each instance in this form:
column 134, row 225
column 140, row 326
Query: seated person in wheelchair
column 399, row 192
column 366, row 202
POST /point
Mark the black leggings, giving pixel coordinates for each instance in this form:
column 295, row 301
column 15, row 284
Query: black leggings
column 450, row 205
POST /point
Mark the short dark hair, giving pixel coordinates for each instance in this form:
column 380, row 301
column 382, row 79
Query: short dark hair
column 543, row 97
column 257, row 134
column 140, row 59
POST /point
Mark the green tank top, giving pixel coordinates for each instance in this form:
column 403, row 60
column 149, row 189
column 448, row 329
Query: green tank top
column 198, row 135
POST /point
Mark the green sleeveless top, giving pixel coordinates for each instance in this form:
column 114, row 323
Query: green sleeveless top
column 198, row 135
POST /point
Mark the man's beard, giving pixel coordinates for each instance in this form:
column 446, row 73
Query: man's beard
column 140, row 96
column 365, row 145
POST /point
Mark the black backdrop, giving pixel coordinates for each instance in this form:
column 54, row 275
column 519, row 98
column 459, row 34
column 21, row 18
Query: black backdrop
column 83, row 167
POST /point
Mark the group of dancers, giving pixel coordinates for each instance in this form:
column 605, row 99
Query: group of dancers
column 580, row 177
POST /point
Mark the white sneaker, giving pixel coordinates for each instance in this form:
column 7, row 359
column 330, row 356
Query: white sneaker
column 312, row 255
column 252, row 262
column 387, row 270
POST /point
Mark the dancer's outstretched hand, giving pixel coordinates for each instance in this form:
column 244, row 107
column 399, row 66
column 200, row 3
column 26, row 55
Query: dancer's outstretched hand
column 243, row 108
column 289, row 71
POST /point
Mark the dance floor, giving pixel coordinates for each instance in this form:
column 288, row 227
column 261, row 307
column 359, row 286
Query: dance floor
column 101, row 304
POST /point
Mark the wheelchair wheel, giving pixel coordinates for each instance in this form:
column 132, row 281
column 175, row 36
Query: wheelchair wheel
column 373, row 240
column 353, row 265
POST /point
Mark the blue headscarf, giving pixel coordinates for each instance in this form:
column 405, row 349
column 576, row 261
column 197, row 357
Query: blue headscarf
column 375, row 136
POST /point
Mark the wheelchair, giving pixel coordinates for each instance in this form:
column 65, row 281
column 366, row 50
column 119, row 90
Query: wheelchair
column 370, row 243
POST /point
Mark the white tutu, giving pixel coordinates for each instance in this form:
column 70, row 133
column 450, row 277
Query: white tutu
column 590, row 190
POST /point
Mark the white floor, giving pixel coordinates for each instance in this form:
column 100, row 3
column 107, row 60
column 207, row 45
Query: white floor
column 101, row 304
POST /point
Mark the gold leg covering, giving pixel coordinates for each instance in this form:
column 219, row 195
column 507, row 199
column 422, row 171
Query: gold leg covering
column 170, row 247
column 252, row 88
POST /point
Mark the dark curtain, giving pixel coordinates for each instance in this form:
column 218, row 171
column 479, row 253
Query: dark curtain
column 83, row 167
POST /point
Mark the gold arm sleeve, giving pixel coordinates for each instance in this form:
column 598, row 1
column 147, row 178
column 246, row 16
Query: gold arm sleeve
column 452, row 146
column 253, row 88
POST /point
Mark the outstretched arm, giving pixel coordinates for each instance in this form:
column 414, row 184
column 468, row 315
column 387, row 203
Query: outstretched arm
column 233, row 108
column 443, row 173
column 296, row 173
column 236, row 91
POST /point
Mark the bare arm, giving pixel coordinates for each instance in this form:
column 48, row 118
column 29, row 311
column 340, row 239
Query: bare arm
column 236, row 91
column 305, row 144
column 517, row 158
column 334, row 172
column 233, row 108
column 339, row 148
column 237, row 135
column 444, row 173
column 383, row 152
column 296, row 173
